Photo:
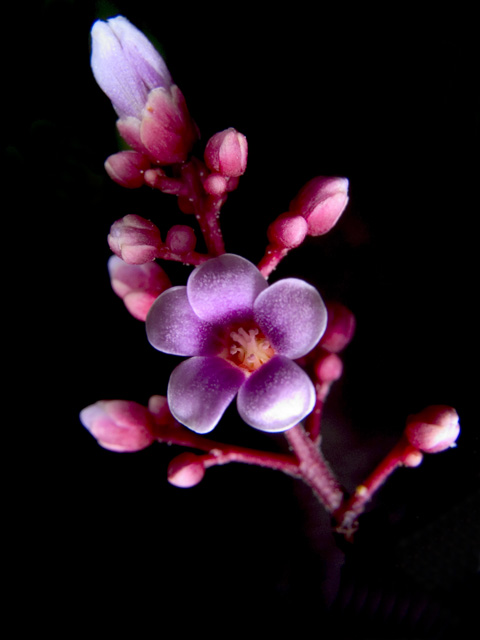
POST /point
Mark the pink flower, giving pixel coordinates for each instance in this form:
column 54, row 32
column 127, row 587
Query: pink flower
column 153, row 115
column 134, row 239
column 242, row 335
column 321, row 202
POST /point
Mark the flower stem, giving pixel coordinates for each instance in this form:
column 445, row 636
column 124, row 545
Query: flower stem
column 314, row 469
column 273, row 256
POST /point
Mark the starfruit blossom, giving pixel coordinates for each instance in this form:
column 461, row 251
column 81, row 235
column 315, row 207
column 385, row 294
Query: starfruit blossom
column 242, row 336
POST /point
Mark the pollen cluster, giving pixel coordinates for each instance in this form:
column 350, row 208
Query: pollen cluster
column 249, row 349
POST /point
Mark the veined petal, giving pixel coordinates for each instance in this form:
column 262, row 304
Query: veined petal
column 276, row 396
column 292, row 315
column 200, row 389
column 172, row 327
column 225, row 288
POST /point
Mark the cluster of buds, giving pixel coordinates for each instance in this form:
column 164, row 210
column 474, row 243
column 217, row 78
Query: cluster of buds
column 275, row 348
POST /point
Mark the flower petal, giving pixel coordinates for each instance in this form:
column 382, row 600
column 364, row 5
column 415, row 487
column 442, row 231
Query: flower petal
column 172, row 327
column 200, row 389
column 292, row 315
column 277, row 396
column 224, row 288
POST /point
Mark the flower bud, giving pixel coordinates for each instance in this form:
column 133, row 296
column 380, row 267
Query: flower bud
column 134, row 239
column 288, row 231
column 153, row 116
column 181, row 239
column 328, row 368
column 321, row 202
column 340, row 327
column 119, row 425
column 127, row 168
column 434, row 429
column 215, row 184
column 138, row 285
column 186, row 470
column 226, row 153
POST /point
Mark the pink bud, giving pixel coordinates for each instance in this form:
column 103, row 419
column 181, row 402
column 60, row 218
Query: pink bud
column 186, row 470
column 137, row 285
column 434, row 429
column 340, row 327
column 181, row 239
column 321, row 202
column 127, row 168
column 167, row 130
column 226, row 153
column 119, row 425
column 134, row 239
column 328, row 367
column 288, row 231
column 215, row 184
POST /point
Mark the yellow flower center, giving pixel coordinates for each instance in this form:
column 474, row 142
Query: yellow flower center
column 248, row 349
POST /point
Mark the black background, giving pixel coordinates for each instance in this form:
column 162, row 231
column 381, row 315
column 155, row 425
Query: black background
column 385, row 99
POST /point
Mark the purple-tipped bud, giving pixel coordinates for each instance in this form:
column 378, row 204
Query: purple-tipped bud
column 288, row 231
column 181, row 239
column 321, row 202
column 185, row 471
column 434, row 429
column 154, row 119
column 138, row 285
column 340, row 327
column 119, row 425
column 226, row 153
column 127, row 168
column 126, row 65
column 134, row 239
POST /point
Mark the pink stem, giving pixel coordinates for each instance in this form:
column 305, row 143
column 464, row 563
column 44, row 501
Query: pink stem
column 208, row 212
column 348, row 513
column 273, row 256
column 314, row 469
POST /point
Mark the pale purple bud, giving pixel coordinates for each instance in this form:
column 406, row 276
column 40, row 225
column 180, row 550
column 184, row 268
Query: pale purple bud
column 288, row 231
column 321, row 202
column 185, row 471
column 340, row 327
column 181, row 239
column 226, row 153
column 138, row 285
column 126, row 65
column 134, row 239
column 127, row 168
column 119, row 425
column 434, row 429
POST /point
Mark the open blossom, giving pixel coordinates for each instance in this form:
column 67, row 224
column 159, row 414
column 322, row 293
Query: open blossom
column 153, row 115
column 242, row 336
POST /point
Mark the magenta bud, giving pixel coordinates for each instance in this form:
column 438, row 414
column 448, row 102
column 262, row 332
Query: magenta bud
column 186, row 470
column 340, row 327
column 119, row 425
column 181, row 239
column 434, row 429
column 288, row 231
column 226, row 153
column 134, row 239
column 127, row 168
column 138, row 285
column 328, row 368
column 321, row 202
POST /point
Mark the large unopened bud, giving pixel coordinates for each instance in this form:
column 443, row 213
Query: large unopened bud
column 321, row 202
column 119, row 425
column 434, row 429
column 134, row 239
column 226, row 153
column 153, row 116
